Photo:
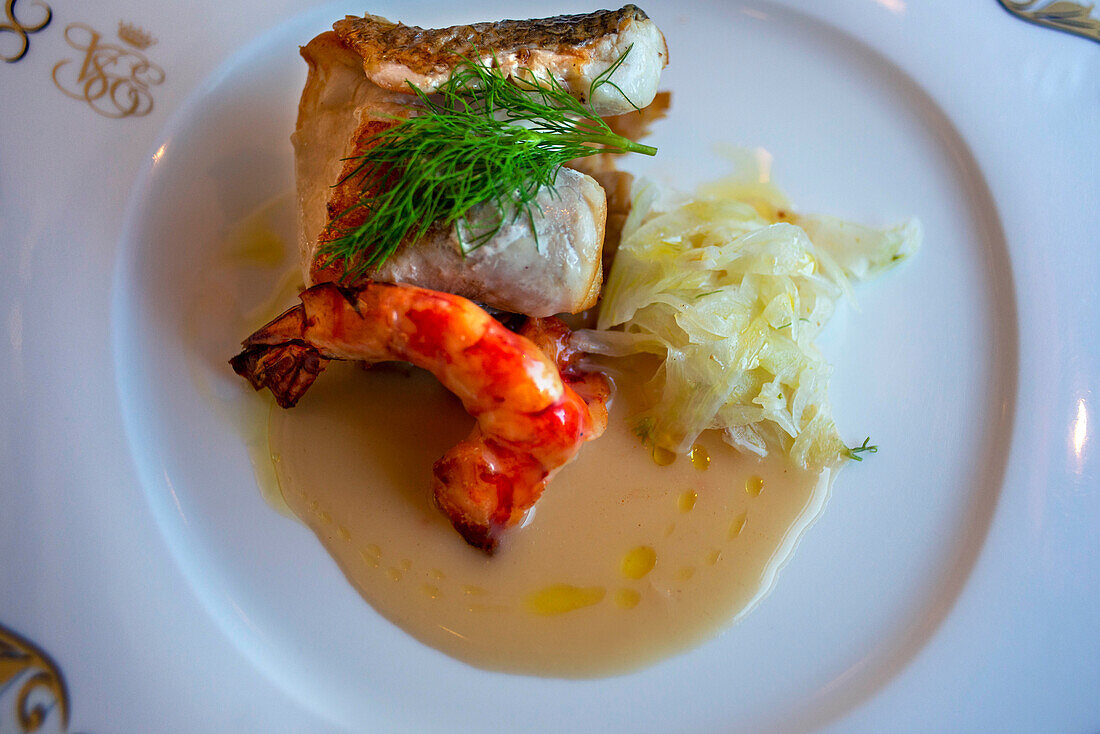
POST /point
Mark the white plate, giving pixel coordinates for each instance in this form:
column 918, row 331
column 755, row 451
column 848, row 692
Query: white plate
column 951, row 581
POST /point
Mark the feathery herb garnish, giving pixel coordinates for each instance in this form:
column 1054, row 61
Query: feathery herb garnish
column 855, row 451
column 483, row 139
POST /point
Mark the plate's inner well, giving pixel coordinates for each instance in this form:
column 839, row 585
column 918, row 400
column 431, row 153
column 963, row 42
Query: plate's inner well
column 925, row 367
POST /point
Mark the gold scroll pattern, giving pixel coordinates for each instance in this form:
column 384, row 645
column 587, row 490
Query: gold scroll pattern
column 20, row 29
column 114, row 80
column 1062, row 15
column 40, row 684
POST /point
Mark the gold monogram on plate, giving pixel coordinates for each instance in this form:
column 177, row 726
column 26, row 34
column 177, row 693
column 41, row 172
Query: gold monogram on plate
column 35, row 681
column 20, row 29
column 113, row 79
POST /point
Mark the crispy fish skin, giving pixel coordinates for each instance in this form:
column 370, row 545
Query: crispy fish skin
column 576, row 49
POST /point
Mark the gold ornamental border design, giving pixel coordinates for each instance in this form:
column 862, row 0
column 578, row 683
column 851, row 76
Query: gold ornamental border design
column 41, row 687
column 20, row 29
column 1062, row 15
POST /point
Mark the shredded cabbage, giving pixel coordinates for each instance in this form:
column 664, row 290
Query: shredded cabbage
column 729, row 288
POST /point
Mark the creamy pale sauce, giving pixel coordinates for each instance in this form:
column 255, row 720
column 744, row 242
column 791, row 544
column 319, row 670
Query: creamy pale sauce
column 623, row 560
column 629, row 556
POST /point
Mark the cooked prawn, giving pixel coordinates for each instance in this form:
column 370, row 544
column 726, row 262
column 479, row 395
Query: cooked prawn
column 530, row 419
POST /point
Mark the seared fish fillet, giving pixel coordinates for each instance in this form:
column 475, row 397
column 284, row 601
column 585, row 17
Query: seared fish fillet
column 576, row 49
column 340, row 109
column 336, row 96
column 545, row 265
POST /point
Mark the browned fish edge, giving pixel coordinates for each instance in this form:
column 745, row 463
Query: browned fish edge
column 427, row 50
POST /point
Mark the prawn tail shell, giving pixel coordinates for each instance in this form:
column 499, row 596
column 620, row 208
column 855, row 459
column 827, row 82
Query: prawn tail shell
column 287, row 326
column 278, row 357
column 287, row 370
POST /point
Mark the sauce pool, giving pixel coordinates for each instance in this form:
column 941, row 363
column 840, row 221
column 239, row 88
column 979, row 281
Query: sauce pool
column 623, row 560
column 630, row 555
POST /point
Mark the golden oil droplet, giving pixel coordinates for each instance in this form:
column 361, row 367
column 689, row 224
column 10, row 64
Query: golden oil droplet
column 471, row 590
column 562, row 598
column 714, row 556
column 431, row 591
column 344, row 533
column 436, row 574
column 685, row 573
column 324, row 517
column 371, row 556
column 662, row 456
column 737, row 525
column 394, row 573
column 406, row 564
column 627, row 598
column 687, row 501
column 754, row 486
column 638, row 562
column 700, row 457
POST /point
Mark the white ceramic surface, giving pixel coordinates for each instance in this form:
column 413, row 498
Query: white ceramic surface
column 950, row 584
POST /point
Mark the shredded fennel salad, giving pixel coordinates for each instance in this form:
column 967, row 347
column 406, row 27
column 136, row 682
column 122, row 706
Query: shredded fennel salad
column 729, row 289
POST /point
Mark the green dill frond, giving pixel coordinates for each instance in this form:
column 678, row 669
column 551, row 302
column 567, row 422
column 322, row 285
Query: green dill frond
column 854, row 452
column 482, row 139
